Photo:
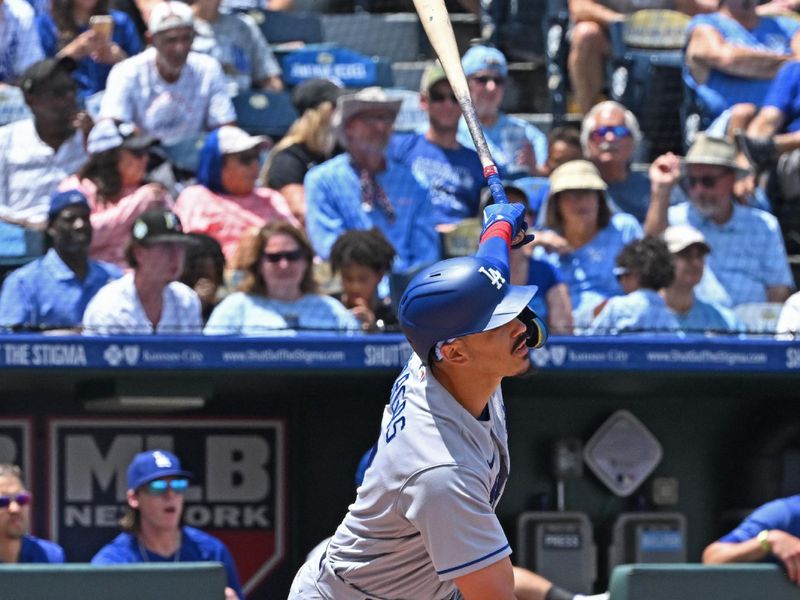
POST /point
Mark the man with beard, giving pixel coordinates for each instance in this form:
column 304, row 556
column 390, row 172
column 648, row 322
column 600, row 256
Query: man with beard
column 451, row 172
column 364, row 187
column 36, row 154
column 53, row 291
column 748, row 260
column 152, row 530
column 16, row 546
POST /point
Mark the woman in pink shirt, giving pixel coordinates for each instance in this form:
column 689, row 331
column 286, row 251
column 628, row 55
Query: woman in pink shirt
column 113, row 182
column 227, row 204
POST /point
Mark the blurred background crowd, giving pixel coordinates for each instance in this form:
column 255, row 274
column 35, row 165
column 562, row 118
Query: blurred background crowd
column 267, row 167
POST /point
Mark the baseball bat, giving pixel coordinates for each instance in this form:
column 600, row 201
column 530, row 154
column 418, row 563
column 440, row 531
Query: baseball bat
column 439, row 30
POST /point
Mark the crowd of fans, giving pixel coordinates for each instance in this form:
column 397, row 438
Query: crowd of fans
column 321, row 231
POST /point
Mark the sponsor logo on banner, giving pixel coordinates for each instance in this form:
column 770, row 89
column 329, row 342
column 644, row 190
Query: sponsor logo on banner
column 547, row 355
column 238, row 492
column 44, row 355
column 387, row 355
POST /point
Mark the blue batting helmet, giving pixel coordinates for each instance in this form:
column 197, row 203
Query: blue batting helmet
column 462, row 296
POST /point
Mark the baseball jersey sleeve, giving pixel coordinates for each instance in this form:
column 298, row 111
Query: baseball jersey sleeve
column 16, row 302
column 450, row 507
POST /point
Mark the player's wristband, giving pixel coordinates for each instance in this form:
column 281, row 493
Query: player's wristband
column 557, row 593
column 501, row 229
column 763, row 540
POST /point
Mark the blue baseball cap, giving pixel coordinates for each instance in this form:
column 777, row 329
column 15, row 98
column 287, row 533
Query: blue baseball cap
column 484, row 58
column 151, row 465
column 61, row 200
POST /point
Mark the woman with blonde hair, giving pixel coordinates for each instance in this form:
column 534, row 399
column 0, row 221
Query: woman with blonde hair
column 309, row 141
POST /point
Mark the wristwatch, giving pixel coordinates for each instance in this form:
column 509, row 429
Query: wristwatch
column 763, row 540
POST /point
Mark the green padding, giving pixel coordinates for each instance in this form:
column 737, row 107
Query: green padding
column 701, row 582
column 198, row 581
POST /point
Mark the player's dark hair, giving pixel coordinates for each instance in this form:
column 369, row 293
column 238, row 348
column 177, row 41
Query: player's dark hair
column 651, row 260
column 369, row 248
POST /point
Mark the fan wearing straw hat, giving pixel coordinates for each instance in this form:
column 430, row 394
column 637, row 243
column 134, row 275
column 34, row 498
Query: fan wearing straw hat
column 748, row 260
column 365, row 188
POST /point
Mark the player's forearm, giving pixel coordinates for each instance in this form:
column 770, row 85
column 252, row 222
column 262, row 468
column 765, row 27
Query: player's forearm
column 729, row 552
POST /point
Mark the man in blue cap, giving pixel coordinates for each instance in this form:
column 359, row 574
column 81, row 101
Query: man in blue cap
column 52, row 291
column 518, row 148
column 152, row 530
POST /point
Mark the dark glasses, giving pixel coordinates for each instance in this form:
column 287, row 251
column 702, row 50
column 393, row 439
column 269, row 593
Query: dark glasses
column 439, row 97
column 159, row 487
column 22, row 499
column 276, row 257
column 247, row 158
column 618, row 131
column 707, row 181
column 484, row 79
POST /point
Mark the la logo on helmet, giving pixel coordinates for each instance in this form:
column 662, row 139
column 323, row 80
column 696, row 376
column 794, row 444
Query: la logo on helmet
column 495, row 277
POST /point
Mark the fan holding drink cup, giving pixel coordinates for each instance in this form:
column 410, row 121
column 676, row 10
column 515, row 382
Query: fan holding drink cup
column 94, row 36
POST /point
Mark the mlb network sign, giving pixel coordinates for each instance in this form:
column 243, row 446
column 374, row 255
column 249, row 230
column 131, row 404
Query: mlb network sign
column 238, row 492
column 15, row 445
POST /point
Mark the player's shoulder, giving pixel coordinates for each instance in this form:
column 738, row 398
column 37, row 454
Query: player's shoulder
column 120, row 550
column 202, row 539
column 48, row 551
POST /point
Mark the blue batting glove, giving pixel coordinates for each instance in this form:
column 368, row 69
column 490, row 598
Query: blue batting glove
column 514, row 214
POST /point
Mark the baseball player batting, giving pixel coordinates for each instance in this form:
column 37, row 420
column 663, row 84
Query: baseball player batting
column 423, row 524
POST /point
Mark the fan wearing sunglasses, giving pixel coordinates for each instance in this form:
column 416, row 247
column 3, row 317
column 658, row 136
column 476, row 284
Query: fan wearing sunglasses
column 519, row 149
column 748, row 260
column 16, row 545
column 278, row 295
column 151, row 527
column 226, row 202
column 113, row 180
column 451, row 172
column 610, row 137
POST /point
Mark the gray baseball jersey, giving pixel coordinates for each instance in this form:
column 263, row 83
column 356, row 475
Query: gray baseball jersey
column 424, row 514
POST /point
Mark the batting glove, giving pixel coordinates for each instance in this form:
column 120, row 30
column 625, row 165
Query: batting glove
column 513, row 214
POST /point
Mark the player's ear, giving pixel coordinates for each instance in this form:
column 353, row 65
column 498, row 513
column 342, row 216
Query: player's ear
column 455, row 352
column 133, row 499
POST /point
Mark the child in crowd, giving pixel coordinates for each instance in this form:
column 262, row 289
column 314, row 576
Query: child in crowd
column 203, row 270
column 363, row 258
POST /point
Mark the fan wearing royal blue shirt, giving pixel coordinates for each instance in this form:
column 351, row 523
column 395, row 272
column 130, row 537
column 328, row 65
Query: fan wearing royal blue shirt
column 152, row 530
column 16, row 546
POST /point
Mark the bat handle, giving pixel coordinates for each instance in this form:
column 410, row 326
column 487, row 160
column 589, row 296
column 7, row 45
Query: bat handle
column 495, row 186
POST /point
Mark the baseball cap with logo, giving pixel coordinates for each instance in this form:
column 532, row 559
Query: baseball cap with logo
column 233, row 140
column 61, row 200
column 107, row 135
column 484, row 58
column 154, row 464
column 157, row 225
column 40, row 73
column 170, row 14
column 680, row 237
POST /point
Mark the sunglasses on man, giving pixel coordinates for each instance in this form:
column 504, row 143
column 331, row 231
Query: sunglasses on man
column 23, row 499
column 618, row 131
column 159, row 487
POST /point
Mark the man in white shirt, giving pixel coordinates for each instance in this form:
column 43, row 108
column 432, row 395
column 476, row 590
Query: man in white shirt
column 169, row 92
column 20, row 46
column 150, row 299
column 36, row 154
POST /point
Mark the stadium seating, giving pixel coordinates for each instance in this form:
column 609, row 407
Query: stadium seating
column 281, row 27
column 264, row 112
